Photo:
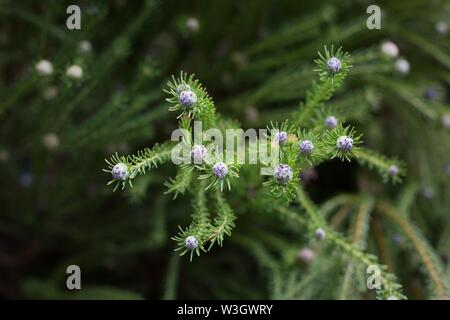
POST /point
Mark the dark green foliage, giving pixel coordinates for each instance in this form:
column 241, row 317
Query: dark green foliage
column 256, row 64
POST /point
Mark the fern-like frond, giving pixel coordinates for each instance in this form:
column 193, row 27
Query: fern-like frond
column 329, row 80
column 180, row 183
column 389, row 283
column 358, row 237
column 433, row 266
column 202, row 110
column 223, row 222
column 390, row 169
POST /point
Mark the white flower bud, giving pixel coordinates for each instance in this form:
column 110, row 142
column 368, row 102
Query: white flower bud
column 50, row 140
column 320, row 234
column 446, row 120
column 390, row 49
column 74, row 71
column 191, row 243
column 192, row 24
column 402, row 66
column 306, row 255
column 44, row 67
column 85, row 46
column 441, row 27
column 120, row 171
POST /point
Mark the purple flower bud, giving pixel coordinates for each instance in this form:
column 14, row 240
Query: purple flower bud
column 282, row 137
column 191, row 243
column 331, row 122
column 334, row 65
column 344, row 143
column 220, row 170
column 306, row 147
column 397, row 238
column 306, row 255
column 120, row 171
column 320, row 234
column 431, row 93
column 198, row 154
column 282, row 173
column 183, row 87
column 393, row 170
column 188, row 99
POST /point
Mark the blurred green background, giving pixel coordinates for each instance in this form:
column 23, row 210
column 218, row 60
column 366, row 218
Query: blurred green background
column 255, row 58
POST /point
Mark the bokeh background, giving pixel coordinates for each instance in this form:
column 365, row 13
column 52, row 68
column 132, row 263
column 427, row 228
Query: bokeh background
column 256, row 60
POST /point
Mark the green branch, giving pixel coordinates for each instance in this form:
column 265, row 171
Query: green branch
column 425, row 251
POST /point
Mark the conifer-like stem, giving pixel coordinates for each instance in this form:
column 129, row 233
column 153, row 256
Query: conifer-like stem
column 426, row 253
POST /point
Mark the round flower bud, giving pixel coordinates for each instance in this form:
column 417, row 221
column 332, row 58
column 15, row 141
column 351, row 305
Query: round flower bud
column 74, row 72
column 331, row 122
column 441, row 27
column 334, row 65
column 306, row 255
column 306, row 147
column 431, row 93
column 50, row 140
column 187, row 99
column 191, row 243
column 282, row 137
column 220, row 170
column 183, row 87
column 344, row 143
column 120, row 171
column 85, row 46
column 397, row 238
column 446, row 120
column 393, row 170
column 192, row 24
column 402, row 66
column 44, row 68
column 320, row 234
column 392, row 298
column 282, row 173
column 390, row 49
column 198, row 154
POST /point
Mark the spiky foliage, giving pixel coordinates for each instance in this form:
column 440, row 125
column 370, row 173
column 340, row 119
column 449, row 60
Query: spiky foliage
column 203, row 108
column 258, row 63
column 323, row 144
column 139, row 163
